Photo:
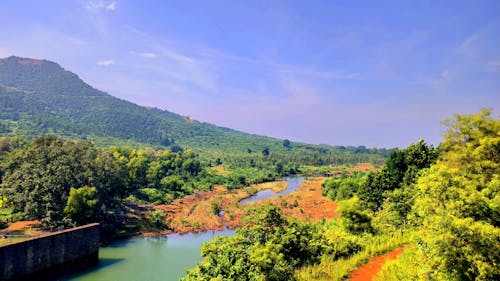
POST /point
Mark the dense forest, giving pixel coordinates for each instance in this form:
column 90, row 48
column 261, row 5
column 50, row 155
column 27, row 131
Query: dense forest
column 39, row 97
column 441, row 204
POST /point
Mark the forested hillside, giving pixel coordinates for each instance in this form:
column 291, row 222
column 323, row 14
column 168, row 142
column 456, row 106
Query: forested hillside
column 39, row 97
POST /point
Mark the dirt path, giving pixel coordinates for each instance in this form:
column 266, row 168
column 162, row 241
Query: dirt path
column 368, row 271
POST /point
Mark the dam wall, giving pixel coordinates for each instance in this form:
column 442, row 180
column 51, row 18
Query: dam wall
column 46, row 255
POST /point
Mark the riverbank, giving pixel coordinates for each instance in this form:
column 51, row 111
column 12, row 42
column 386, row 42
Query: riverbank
column 212, row 210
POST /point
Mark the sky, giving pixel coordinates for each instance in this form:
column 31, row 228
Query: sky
column 373, row 73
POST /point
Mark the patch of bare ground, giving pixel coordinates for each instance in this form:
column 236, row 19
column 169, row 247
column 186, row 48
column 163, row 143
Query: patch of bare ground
column 201, row 211
column 307, row 203
column 220, row 170
column 368, row 271
column 21, row 230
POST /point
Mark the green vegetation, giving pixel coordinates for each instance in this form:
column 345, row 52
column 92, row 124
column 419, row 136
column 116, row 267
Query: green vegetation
column 65, row 183
column 268, row 250
column 457, row 208
column 443, row 203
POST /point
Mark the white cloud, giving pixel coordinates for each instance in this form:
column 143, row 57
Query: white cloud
column 105, row 62
column 469, row 45
column 180, row 58
column 111, row 6
column 101, row 5
column 147, row 55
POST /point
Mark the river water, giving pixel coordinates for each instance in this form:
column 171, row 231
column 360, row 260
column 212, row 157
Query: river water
column 159, row 258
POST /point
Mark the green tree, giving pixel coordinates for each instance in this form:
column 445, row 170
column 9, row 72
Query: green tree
column 286, row 143
column 354, row 218
column 39, row 178
column 81, row 204
column 457, row 204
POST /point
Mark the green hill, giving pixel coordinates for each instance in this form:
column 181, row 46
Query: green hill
column 40, row 97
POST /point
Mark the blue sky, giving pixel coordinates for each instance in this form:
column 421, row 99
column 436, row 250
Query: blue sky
column 374, row 73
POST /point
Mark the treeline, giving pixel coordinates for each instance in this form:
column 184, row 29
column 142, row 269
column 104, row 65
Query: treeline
column 442, row 203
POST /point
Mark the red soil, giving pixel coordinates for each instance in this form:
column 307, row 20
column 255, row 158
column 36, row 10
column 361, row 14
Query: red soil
column 368, row 271
column 307, row 203
column 195, row 212
column 20, row 225
column 363, row 167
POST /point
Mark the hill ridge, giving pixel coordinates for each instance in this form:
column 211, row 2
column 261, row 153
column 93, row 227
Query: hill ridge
column 41, row 97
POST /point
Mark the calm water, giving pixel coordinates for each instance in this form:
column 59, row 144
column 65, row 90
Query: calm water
column 160, row 258
column 293, row 184
column 148, row 259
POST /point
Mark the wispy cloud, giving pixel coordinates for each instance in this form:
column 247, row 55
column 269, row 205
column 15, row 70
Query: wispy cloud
column 105, row 62
column 147, row 55
column 495, row 64
column 468, row 46
column 101, row 5
column 111, row 6
column 218, row 55
column 445, row 74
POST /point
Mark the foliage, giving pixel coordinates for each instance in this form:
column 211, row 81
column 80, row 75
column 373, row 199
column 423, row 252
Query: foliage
column 268, row 250
column 400, row 171
column 81, row 204
column 455, row 208
column 353, row 218
column 157, row 218
column 450, row 206
column 457, row 202
column 342, row 188
column 38, row 179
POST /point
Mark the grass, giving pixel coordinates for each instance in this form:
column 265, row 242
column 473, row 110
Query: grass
column 340, row 269
column 410, row 265
column 9, row 240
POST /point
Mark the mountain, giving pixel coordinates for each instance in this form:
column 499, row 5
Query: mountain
column 40, row 97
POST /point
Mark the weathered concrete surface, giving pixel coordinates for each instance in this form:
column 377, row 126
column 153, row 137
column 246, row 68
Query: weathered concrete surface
column 72, row 248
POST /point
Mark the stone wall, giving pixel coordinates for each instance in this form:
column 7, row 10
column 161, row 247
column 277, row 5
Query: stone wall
column 75, row 247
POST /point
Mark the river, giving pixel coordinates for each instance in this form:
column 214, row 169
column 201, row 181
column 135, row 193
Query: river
column 159, row 258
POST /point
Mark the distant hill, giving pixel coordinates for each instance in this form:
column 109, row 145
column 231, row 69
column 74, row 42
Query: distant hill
column 40, row 97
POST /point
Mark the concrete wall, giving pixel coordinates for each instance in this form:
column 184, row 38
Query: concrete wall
column 75, row 247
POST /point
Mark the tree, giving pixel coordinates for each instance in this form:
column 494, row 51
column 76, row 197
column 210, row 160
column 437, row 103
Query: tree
column 176, row 148
column 39, row 178
column 265, row 152
column 269, row 249
column 286, row 143
column 457, row 202
column 81, row 204
column 353, row 218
